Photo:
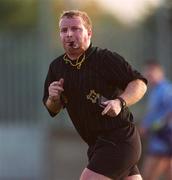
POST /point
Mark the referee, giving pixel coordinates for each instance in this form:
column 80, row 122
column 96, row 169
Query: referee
column 96, row 86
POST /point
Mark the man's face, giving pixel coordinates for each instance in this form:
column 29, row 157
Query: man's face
column 74, row 35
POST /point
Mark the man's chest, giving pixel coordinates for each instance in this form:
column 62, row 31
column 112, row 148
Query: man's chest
column 86, row 85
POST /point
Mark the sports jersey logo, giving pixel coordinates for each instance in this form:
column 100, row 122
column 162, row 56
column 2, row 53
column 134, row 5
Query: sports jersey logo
column 93, row 96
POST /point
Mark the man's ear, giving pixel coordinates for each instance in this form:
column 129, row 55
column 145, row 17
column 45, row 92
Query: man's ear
column 90, row 32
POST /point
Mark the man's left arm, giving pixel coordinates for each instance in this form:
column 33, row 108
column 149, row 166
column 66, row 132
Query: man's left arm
column 134, row 91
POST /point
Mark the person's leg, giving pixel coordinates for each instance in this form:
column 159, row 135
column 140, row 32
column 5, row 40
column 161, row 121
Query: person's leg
column 111, row 162
column 111, row 158
column 154, row 167
column 91, row 175
column 134, row 174
column 149, row 167
column 134, row 177
column 169, row 169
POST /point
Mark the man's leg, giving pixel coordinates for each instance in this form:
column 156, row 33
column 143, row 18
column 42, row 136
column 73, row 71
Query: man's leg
column 91, row 175
column 111, row 159
column 134, row 174
column 134, row 177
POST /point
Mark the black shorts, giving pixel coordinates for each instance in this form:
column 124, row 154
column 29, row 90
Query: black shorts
column 115, row 154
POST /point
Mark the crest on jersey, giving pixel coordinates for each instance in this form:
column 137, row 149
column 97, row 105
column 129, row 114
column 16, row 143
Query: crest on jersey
column 93, row 96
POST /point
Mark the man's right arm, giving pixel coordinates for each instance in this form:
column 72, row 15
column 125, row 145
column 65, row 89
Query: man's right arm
column 54, row 103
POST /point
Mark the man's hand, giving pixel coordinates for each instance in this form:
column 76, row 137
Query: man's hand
column 53, row 102
column 112, row 107
column 55, row 89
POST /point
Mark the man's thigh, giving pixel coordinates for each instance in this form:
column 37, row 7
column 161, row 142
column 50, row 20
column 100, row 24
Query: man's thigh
column 88, row 174
column 114, row 161
column 91, row 175
column 134, row 177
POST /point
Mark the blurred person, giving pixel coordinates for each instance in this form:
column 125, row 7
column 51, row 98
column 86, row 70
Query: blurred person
column 96, row 87
column 156, row 126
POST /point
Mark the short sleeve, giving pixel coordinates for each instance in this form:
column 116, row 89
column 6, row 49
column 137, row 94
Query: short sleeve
column 118, row 70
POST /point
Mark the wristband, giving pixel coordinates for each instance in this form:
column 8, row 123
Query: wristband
column 122, row 101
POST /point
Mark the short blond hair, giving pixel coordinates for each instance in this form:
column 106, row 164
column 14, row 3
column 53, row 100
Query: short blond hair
column 76, row 13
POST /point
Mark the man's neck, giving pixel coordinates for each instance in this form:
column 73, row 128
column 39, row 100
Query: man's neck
column 73, row 55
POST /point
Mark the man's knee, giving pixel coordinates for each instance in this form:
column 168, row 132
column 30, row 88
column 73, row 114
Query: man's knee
column 91, row 175
column 134, row 177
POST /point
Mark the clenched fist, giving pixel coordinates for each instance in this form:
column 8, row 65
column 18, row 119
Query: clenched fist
column 55, row 89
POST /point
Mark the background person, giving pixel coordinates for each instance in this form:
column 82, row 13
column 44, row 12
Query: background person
column 157, row 124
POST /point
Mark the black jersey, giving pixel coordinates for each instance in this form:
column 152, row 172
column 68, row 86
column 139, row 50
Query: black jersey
column 102, row 74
